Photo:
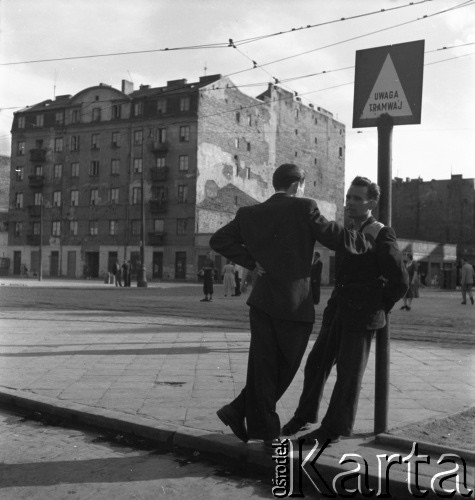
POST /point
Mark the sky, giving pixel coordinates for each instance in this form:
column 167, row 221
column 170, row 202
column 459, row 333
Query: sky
column 310, row 37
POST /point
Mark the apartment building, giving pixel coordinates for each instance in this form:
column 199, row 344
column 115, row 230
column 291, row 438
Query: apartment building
column 87, row 169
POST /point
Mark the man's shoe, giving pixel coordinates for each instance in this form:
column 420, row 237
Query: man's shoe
column 403, row 308
column 204, row 300
column 294, row 425
column 230, row 417
column 463, row 303
column 322, row 435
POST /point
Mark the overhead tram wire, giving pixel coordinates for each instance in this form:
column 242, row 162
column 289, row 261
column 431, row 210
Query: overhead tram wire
column 462, row 5
column 318, row 25
column 212, row 45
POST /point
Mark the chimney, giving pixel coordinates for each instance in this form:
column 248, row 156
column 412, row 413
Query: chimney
column 127, row 87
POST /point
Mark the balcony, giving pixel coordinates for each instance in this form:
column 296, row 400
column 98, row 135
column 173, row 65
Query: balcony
column 36, row 181
column 159, row 147
column 156, row 239
column 158, row 206
column 34, row 210
column 38, row 155
column 159, row 174
column 33, row 239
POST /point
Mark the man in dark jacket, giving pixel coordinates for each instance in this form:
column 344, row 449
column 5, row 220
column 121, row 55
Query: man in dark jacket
column 367, row 287
column 277, row 237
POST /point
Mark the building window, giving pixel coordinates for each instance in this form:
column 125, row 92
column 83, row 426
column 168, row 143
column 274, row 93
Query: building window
column 94, row 199
column 249, row 119
column 94, row 168
column 73, row 227
column 183, row 165
column 114, row 196
column 58, row 144
column 138, row 137
column 93, row 227
column 18, row 228
column 248, row 146
column 38, row 200
column 36, row 228
column 95, row 141
column 238, row 117
column 75, row 169
column 40, row 120
column 19, row 200
column 138, row 109
column 296, row 154
column 161, row 135
column 116, row 111
column 21, row 122
column 96, row 114
column 115, row 167
column 316, row 140
column 136, row 226
column 115, row 139
column 184, row 133
column 181, row 226
column 158, row 225
column 137, row 165
column 162, row 106
column 58, row 171
column 315, row 161
column 340, row 152
column 182, row 194
column 236, row 143
column 136, row 195
column 19, row 173
column 159, row 193
column 185, row 103
column 74, row 143
column 38, row 169
column 113, row 227
column 20, row 148
column 57, row 199
column 296, row 114
column 75, row 115
column 56, row 228
column 59, row 117
column 161, row 161
column 74, row 197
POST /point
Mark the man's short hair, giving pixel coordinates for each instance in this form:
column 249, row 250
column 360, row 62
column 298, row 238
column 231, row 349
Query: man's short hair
column 285, row 175
column 374, row 191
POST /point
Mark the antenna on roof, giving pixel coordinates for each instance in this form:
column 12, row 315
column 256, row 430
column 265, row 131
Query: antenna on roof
column 54, row 85
column 205, row 68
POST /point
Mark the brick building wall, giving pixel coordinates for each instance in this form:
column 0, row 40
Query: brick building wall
column 437, row 210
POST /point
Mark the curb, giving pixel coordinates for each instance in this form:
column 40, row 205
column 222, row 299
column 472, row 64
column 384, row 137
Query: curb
column 210, row 444
column 423, row 446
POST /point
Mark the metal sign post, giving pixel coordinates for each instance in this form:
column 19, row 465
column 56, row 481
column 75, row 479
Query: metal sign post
column 388, row 92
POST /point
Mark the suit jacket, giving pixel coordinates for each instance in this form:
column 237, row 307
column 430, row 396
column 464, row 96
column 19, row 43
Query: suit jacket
column 368, row 285
column 280, row 234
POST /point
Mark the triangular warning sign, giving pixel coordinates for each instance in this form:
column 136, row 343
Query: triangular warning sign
column 387, row 95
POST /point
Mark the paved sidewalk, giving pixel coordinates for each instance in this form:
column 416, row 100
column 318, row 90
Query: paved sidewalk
column 161, row 376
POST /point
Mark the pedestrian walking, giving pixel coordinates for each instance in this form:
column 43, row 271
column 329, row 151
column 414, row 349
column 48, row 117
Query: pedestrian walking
column 367, row 287
column 411, row 271
column 238, row 271
column 229, row 279
column 208, row 274
column 466, row 281
column 276, row 238
column 117, row 272
column 316, row 277
column 126, row 272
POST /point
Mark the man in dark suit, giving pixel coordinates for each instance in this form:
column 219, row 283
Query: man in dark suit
column 367, row 287
column 316, row 277
column 277, row 237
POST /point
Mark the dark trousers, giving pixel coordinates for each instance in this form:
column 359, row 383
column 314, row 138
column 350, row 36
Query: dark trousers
column 347, row 347
column 276, row 350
